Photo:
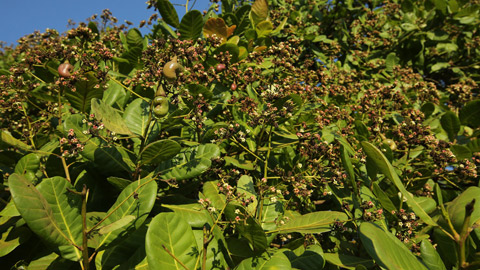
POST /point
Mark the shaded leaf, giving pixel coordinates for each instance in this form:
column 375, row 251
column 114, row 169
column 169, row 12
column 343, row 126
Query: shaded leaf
column 109, row 117
column 469, row 114
column 85, row 91
column 159, row 151
column 216, row 26
column 430, row 256
column 193, row 213
column 386, row 249
column 191, row 25
column 259, row 11
column 136, row 116
column 12, row 238
column 451, row 124
column 7, row 138
column 168, row 12
column 347, row 261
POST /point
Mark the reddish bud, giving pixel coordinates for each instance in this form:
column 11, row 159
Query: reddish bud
column 220, row 67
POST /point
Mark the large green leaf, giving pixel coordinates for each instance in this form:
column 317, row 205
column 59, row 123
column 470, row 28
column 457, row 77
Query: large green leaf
column 7, row 138
column 386, row 249
column 456, row 208
column 190, row 162
column 76, row 122
column 469, row 114
column 109, row 159
column 115, row 94
column 49, row 261
column 159, row 151
column 347, row 261
column 66, row 212
column 215, row 258
column 451, row 124
column 134, row 39
column 266, row 261
column 246, row 190
column 316, row 222
column 311, row 259
column 387, row 169
column 191, row 25
column 136, row 116
column 109, row 117
column 212, row 193
column 136, row 199
column 193, row 213
column 168, row 12
column 168, row 231
column 36, row 211
column 121, row 254
column 430, row 256
column 85, row 91
column 28, row 165
column 248, row 227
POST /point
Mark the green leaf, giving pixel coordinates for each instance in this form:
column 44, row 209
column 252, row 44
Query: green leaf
column 347, row 261
column 456, row 208
column 136, row 116
column 474, row 145
column 248, row 228
column 259, row 11
column 383, row 198
column 134, row 39
column 168, row 13
column 430, row 256
column 190, row 162
column 41, row 221
column 246, row 190
column 264, row 29
column 108, row 159
column 386, row 249
column 266, row 261
column 347, row 164
column 116, row 224
column 7, row 138
column 109, row 117
column 230, row 48
column 28, row 165
column 12, row 238
column 75, row 122
column 129, row 252
column 387, row 169
column 168, row 231
column 137, row 200
column 49, row 261
column 316, row 222
column 469, row 114
column 85, row 91
column 191, row 25
column 461, row 152
column 311, row 259
column 115, row 94
column 211, row 192
column 439, row 66
column 66, row 212
column 451, row 124
column 159, row 151
column 193, row 213
column 391, row 61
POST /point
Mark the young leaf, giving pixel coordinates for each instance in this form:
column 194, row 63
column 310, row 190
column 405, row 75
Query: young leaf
column 191, row 25
column 159, row 151
column 216, row 26
column 386, row 168
column 168, row 12
column 109, row 117
column 451, row 124
column 264, row 29
column 316, row 222
column 85, row 90
column 386, row 249
column 259, row 11
column 66, row 212
column 170, row 243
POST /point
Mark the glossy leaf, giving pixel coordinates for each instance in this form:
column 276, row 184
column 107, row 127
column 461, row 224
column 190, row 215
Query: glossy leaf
column 386, row 249
column 169, row 235
column 168, row 12
column 430, row 256
column 85, row 90
column 109, row 117
column 159, row 151
column 451, row 124
column 136, row 116
column 193, row 213
column 387, row 169
column 66, row 211
column 316, row 222
column 191, row 25
column 41, row 221
column 137, row 200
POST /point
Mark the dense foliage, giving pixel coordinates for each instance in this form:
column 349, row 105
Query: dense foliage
column 279, row 134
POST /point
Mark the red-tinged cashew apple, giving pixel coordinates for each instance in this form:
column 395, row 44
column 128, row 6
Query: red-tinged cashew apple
column 65, row 69
column 220, row 67
column 171, row 69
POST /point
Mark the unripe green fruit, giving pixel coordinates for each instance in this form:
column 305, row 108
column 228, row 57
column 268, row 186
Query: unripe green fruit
column 160, row 100
column 391, row 144
column 160, row 106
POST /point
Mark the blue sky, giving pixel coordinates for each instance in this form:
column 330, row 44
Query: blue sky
column 21, row 17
